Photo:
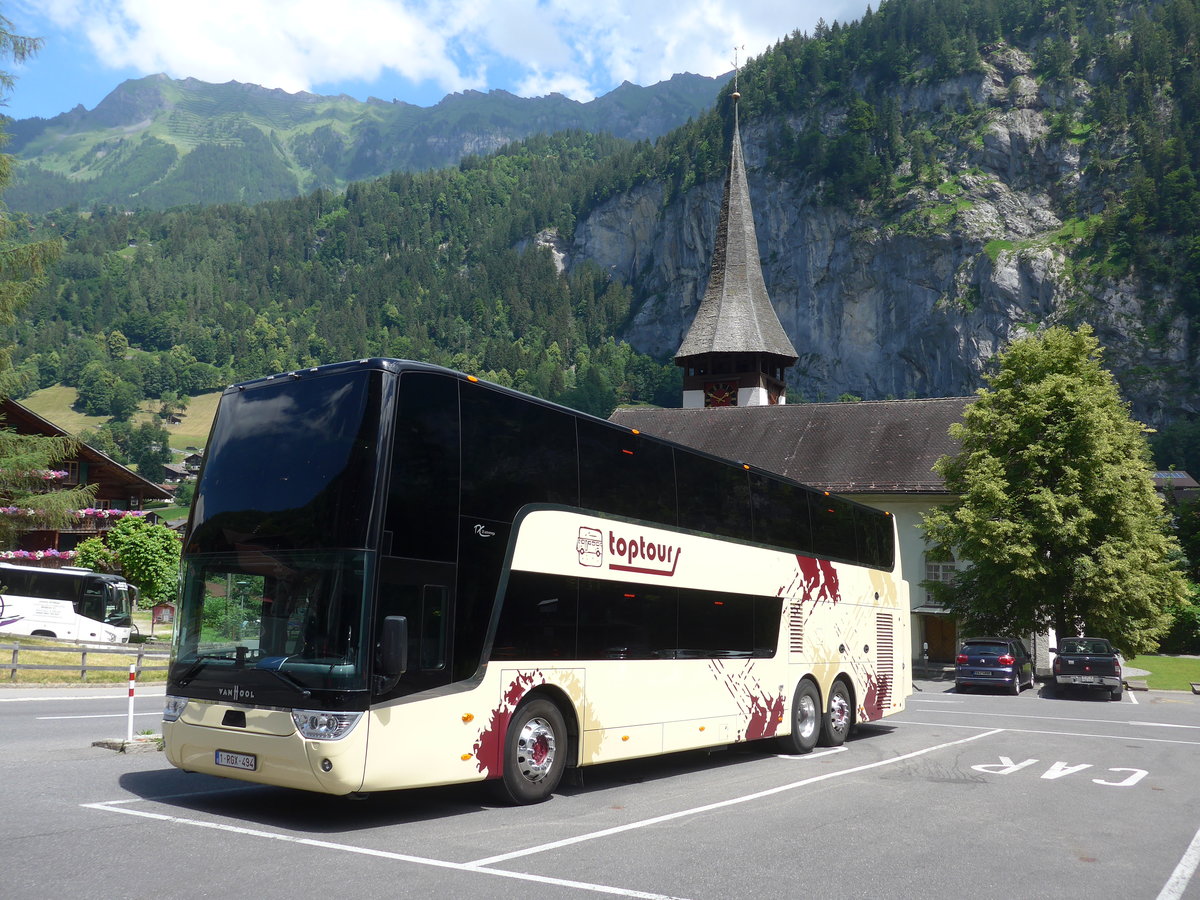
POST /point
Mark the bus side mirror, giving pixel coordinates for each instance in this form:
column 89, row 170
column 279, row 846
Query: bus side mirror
column 393, row 655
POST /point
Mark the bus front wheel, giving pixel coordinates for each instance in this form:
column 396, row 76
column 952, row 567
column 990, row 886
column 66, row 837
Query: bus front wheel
column 806, row 720
column 535, row 752
column 836, row 722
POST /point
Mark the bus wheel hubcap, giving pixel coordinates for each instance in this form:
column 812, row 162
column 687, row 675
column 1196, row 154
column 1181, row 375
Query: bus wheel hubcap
column 839, row 713
column 806, row 715
column 535, row 749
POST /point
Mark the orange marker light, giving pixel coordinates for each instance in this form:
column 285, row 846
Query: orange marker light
column 472, row 378
column 466, row 756
column 624, row 737
column 468, row 717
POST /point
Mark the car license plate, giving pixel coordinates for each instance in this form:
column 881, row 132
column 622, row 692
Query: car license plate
column 1087, row 679
column 981, row 674
column 245, row 761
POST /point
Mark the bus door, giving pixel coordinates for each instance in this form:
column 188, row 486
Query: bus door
column 422, row 592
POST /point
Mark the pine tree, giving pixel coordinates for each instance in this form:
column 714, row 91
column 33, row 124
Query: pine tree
column 1057, row 513
column 28, row 481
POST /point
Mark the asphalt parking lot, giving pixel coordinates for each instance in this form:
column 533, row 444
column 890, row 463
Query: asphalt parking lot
column 961, row 795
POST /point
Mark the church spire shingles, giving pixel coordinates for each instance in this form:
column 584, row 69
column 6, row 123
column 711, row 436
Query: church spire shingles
column 736, row 349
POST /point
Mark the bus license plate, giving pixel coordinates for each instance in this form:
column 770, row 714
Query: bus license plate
column 245, row 761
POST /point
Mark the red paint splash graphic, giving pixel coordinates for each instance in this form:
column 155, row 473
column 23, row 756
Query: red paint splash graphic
column 879, row 692
column 488, row 748
column 819, row 580
column 765, row 713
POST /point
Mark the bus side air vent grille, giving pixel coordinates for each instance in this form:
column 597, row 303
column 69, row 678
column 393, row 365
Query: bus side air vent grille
column 795, row 631
column 886, row 656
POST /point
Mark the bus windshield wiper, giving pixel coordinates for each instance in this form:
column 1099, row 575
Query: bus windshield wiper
column 289, row 681
column 197, row 664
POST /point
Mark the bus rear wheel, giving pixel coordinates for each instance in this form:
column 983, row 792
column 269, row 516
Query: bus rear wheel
column 535, row 752
column 835, row 724
column 806, row 720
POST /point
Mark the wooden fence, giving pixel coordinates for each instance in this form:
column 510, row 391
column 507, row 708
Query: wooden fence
column 83, row 666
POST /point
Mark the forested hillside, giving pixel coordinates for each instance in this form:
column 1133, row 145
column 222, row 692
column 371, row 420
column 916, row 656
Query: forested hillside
column 928, row 183
column 438, row 266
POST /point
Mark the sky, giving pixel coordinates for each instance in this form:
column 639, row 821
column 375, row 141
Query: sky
column 412, row 50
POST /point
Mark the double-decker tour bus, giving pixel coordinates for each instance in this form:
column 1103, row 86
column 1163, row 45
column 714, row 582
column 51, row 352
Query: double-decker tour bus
column 71, row 604
column 396, row 575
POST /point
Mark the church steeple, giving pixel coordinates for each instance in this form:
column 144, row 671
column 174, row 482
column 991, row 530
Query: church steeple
column 736, row 350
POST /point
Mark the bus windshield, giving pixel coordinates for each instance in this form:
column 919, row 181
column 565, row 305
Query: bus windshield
column 119, row 603
column 297, row 614
column 291, row 465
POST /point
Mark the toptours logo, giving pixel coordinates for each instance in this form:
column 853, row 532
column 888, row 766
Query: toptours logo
column 629, row 554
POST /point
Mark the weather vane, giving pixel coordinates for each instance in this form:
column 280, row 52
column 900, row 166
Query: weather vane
column 736, row 95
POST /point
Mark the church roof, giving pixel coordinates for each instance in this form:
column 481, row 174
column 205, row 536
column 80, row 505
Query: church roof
column 881, row 446
column 736, row 315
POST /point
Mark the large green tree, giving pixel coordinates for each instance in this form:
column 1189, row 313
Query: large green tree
column 1057, row 515
column 29, row 490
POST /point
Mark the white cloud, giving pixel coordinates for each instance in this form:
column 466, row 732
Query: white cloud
column 579, row 49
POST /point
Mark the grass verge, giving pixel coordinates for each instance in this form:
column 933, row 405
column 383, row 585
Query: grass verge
column 67, row 660
column 1167, row 673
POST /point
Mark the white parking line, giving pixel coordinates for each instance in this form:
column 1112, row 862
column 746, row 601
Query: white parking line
column 121, row 696
column 916, row 699
column 365, row 851
column 1108, row 737
column 1183, row 873
column 965, row 712
column 483, row 866
column 554, row 845
column 98, row 716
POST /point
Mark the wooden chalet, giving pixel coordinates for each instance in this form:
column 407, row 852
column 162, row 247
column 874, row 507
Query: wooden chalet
column 118, row 490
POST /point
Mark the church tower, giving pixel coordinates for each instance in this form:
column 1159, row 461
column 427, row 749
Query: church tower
column 736, row 350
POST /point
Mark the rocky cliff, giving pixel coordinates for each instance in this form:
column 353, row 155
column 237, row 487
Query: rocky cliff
column 911, row 297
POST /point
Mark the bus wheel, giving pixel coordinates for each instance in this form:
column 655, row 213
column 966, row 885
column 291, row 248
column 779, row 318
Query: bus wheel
column 806, row 720
column 535, row 752
column 835, row 724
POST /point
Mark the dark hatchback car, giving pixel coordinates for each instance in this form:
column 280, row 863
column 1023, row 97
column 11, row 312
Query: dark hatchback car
column 995, row 662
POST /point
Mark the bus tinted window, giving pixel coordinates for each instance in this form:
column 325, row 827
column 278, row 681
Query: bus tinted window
column 626, row 621
column 833, row 527
column 714, row 496
column 514, row 452
column 537, row 619
column 716, row 624
column 293, row 462
column 768, row 612
column 45, row 584
column 623, row 474
column 874, row 539
column 422, row 508
column 780, row 513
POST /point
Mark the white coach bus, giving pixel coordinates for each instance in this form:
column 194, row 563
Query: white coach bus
column 396, row 576
column 70, row 604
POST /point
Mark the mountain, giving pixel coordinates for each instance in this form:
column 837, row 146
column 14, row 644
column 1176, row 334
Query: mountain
column 155, row 142
column 928, row 183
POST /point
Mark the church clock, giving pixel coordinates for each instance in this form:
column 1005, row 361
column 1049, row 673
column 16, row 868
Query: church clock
column 720, row 393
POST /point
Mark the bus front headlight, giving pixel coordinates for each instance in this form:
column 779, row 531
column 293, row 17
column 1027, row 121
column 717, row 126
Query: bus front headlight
column 173, row 708
column 318, row 725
